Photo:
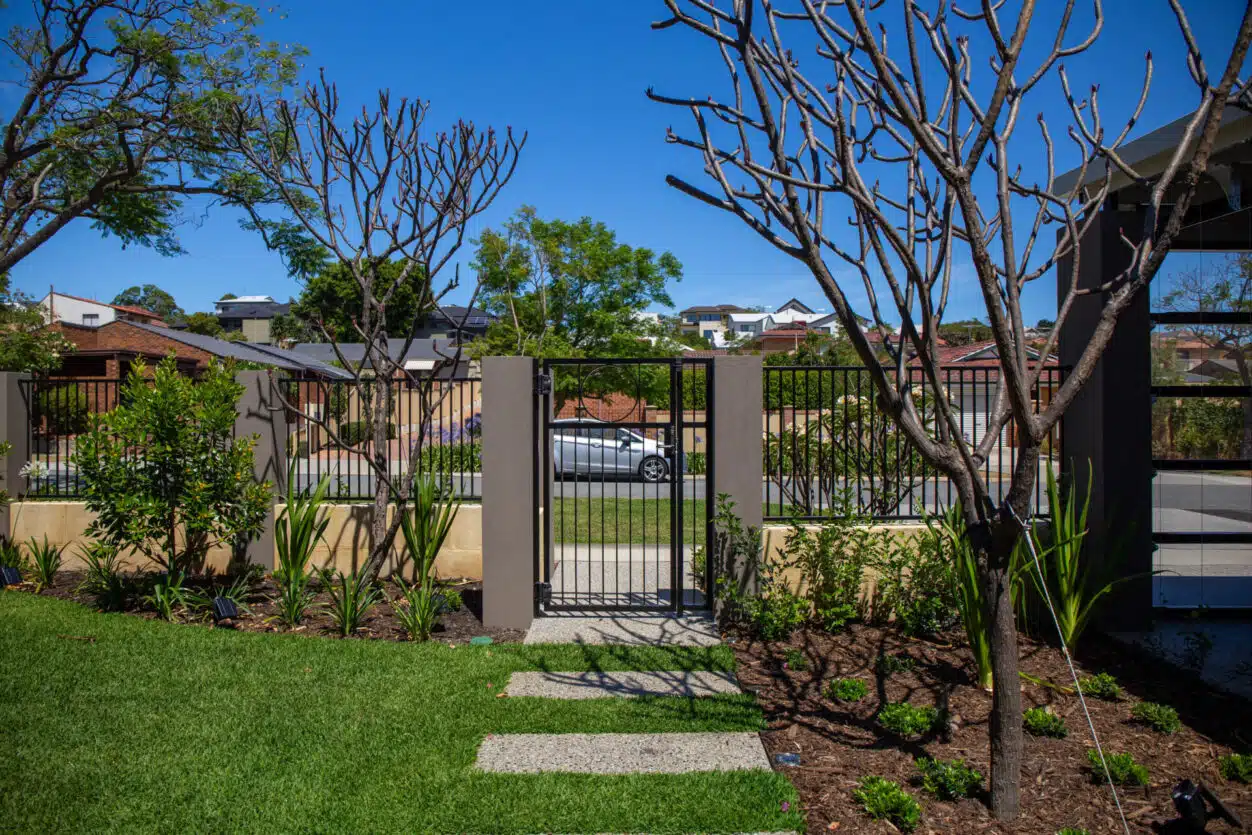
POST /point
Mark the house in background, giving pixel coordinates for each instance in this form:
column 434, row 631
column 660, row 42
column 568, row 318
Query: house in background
column 454, row 322
column 76, row 310
column 709, row 321
column 250, row 315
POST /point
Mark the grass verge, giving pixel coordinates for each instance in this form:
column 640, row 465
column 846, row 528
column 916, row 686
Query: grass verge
column 111, row 722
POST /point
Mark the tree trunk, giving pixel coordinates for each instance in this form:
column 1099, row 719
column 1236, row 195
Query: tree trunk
column 1006, row 708
column 380, row 402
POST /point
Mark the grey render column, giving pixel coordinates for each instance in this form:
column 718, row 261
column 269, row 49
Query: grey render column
column 509, row 453
column 12, row 429
column 737, row 455
column 259, row 412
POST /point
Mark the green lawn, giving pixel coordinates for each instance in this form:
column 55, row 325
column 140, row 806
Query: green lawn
column 624, row 520
column 161, row 727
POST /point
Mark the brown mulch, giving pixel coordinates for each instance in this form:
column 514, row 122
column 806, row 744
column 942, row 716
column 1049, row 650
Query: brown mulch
column 839, row 744
column 379, row 624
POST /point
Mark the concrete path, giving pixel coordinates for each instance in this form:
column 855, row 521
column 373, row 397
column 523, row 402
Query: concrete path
column 674, row 753
column 631, row 629
column 601, row 685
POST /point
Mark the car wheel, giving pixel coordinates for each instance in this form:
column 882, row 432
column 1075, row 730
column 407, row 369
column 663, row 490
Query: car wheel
column 653, row 469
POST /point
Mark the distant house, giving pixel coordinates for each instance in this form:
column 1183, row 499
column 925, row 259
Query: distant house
column 250, row 315
column 422, row 355
column 109, row 351
column 725, row 322
column 454, row 322
column 709, row 321
column 76, row 310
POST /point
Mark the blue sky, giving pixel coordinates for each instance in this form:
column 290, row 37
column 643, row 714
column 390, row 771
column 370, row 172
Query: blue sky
column 573, row 74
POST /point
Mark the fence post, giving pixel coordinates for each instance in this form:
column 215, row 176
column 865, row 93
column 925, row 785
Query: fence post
column 13, row 428
column 508, row 494
column 260, row 412
column 738, row 402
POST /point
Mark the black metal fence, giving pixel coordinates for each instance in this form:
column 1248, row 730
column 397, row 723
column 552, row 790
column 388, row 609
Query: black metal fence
column 437, row 421
column 829, row 447
column 58, row 411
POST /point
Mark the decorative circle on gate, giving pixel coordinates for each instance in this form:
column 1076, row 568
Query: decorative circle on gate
column 612, row 393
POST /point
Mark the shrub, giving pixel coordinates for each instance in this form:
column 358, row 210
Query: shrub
column 1160, row 718
column 237, row 592
column 64, row 408
column 904, row 719
column 916, row 587
column 889, row 663
column 925, row 616
column 1101, row 686
column 1072, row 830
column 847, row 690
column 885, row 800
column 1041, row 721
column 1236, row 767
column 358, row 431
column 948, row 779
column 298, row 529
column 832, row 561
column 466, row 457
column 697, row 463
column 1122, row 769
column 776, row 613
column 103, row 579
column 45, row 560
column 164, row 469
column 796, row 660
column 351, row 598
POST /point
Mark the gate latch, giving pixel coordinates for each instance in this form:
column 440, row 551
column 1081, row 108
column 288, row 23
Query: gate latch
column 543, row 384
column 543, row 593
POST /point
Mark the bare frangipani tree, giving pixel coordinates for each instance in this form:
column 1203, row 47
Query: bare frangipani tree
column 365, row 192
column 899, row 161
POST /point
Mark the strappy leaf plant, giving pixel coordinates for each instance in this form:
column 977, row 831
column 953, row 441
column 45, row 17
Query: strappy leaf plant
column 425, row 527
column 298, row 530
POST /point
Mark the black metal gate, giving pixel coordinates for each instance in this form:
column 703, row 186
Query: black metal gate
column 623, row 506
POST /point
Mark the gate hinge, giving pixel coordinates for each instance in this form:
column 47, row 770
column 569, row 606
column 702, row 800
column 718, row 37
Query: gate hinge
column 543, row 384
column 543, row 593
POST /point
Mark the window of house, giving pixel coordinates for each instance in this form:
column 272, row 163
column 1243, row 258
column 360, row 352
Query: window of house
column 708, row 334
column 710, row 317
column 91, row 319
column 692, row 319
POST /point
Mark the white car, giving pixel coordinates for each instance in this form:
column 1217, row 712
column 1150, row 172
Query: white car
column 585, row 447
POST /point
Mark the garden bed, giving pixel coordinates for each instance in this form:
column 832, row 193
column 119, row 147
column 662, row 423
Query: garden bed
column 839, row 743
column 379, row 624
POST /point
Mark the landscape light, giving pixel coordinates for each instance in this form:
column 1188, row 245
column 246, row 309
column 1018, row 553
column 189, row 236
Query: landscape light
column 10, row 576
column 224, row 609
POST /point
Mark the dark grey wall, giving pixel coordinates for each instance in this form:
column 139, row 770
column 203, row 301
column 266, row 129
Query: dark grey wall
column 737, row 453
column 1107, row 431
column 508, row 491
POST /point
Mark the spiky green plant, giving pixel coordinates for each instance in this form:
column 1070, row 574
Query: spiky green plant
column 45, row 559
column 167, row 594
column 351, row 598
column 970, row 600
column 425, row 527
column 1072, row 584
column 103, row 578
column 298, row 530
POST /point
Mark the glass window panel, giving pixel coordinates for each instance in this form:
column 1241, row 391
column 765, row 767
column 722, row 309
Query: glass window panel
column 1203, row 281
column 1201, row 427
column 1202, row 354
column 1192, row 574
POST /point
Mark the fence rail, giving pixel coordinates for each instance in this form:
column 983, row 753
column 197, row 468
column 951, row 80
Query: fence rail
column 829, row 447
column 439, row 421
column 58, row 410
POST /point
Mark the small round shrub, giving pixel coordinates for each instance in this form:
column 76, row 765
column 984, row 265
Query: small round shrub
column 776, row 615
column 885, row 800
column 847, row 690
column 796, row 661
column 948, row 779
column 1236, row 767
column 1041, row 721
column 1101, row 686
column 1122, row 769
column 925, row 616
column 1161, row 718
column 904, row 719
column 836, row 616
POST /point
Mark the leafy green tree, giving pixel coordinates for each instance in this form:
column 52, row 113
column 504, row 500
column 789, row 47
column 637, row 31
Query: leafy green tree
column 118, row 116
column 25, row 343
column 332, row 298
column 151, row 297
column 205, row 324
column 1045, row 324
column 965, row 332
column 163, row 471
column 287, row 328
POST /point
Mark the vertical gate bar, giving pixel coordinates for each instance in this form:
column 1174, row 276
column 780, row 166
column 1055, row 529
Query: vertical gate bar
column 675, row 483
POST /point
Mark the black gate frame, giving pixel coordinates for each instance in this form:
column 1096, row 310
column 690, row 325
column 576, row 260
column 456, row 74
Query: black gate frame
column 680, row 421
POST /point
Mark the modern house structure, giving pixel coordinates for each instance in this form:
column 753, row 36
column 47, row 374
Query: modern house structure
column 454, row 322
column 76, row 310
column 712, row 322
column 250, row 315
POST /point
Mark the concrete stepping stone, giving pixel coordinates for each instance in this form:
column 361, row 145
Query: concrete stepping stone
column 601, row 685
column 633, row 629
column 667, row 753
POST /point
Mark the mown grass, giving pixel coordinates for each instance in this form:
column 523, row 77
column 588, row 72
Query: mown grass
column 161, row 727
column 638, row 521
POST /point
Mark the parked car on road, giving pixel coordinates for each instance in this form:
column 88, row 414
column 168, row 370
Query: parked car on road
column 588, row 447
